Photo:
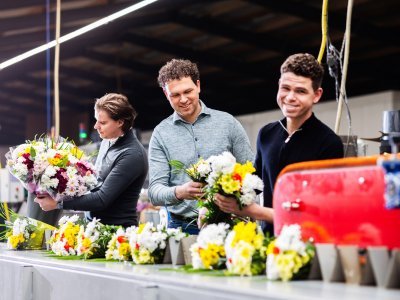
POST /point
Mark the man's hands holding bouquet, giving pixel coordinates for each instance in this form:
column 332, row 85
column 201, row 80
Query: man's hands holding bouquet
column 223, row 186
column 191, row 190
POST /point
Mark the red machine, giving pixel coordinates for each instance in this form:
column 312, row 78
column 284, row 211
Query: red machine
column 339, row 205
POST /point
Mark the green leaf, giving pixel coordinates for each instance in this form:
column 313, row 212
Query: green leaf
column 33, row 152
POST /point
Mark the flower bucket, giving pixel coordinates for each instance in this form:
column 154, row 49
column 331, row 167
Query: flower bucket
column 167, row 255
column 328, row 258
column 186, row 243
column 176, row 251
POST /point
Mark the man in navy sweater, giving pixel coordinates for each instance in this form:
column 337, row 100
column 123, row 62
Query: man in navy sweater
column 298, row 137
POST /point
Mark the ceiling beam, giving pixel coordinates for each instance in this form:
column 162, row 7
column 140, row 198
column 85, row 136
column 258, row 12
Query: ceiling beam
column 218, row 28
column 215, row 81
column 224, row 62
column 336, row 21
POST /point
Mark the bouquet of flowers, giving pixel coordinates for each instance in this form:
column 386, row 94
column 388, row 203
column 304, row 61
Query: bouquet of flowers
column 93, row 239
column 44, row 166
column 148, row 243
column 222, row 174
column 118, row 247
column 208, row 252
column 64, row 240
column 22, row 233
column 229, row 178
column 246, row 250
column 197, row 172
column 288, row 256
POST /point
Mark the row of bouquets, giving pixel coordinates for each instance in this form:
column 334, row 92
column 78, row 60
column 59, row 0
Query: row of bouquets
column 239, row 250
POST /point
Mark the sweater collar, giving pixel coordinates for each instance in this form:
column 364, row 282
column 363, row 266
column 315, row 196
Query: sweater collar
column 120, row 139
column 307, row 123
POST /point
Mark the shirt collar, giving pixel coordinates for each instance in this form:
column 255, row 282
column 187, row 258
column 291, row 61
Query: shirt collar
column 307, row 123
column 204, row 111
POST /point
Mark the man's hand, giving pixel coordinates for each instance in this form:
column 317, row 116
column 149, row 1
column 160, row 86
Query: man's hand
column 228, row 204
column 45, row 202
column 201, row 218
column 190, row 190
column 253, row 210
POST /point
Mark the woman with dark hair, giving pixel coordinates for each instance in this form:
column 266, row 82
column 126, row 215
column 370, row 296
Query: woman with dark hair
column 121, row 167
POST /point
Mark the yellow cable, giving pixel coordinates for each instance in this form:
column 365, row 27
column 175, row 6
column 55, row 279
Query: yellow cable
column 324, row 27
column 5, row 206
column 7, row 212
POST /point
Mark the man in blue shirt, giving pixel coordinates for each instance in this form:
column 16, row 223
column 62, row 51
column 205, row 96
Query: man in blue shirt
column 193, row 131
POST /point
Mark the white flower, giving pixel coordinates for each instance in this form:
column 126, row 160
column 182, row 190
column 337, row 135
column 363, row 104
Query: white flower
column 290, row 239
column 204, row 168
column 64, row 219
column 20, row 170
column 214, row 234
column 228, row 243
column 224, row 163
column 272, row 268
column 176, row 233
column 252, row 182
column 41, row 163
column 248, row 198
column 196, row 259
column 241, row 258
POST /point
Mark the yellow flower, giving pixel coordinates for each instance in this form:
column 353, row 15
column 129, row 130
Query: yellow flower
column 60, row 159
column 244, row 232
column 75, row 151
column 71, row 233
column 15, row 240
column 229, row 185
column 271, row 247
column 27, row 150
column 211, row 255
column 141, row 227
column 258, row 241
column 86, row 243
column 112, row 244
column 247, row 252
column 144, row 257
column 288, row 263
column 244, row 169
column 124, row 250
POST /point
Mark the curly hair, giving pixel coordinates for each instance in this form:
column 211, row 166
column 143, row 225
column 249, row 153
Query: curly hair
column 177, row 69
column 304, row 64
column 118, row 108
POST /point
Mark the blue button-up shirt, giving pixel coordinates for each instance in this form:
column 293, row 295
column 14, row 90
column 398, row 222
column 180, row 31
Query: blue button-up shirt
column 175, row 139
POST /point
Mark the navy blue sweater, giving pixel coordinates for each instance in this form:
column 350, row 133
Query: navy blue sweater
column 315, row 141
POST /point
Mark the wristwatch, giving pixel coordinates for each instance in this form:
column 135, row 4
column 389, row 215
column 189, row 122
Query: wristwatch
column 60, row 204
